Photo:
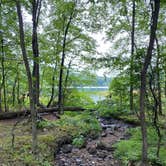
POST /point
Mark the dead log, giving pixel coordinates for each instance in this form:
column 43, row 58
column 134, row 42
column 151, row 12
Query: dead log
column 17, row 114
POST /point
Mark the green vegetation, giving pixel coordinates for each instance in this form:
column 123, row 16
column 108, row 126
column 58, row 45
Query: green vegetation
column 72, row 127
column 130, row 150
column 43, row 61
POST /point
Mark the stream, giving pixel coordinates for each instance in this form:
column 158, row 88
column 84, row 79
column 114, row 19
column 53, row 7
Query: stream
column 98, row 152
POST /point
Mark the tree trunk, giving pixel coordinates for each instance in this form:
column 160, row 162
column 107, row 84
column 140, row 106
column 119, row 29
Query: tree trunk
column 147, row 61
column 0, row 100
column 155, row 116
column 158, row 78
column 60, row 93
column 14, row 86
column 3, row 74
column 165, row 85
column 66, row 80
column 36, row 6
column 132, row 57
column 53, row 87
column 29, row 76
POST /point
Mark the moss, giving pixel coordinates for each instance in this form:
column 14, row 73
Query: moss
column 60, row 131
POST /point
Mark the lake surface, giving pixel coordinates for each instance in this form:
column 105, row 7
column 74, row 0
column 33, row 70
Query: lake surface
column 100, row 92
column 92, row 88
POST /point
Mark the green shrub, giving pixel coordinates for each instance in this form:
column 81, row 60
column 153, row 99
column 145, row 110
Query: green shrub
column 84, row 123
column 44, row 124
column 79, row 142
column 77, row 98
column 108, row 108
column 130, row 150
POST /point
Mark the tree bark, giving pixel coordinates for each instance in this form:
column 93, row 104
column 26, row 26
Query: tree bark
column 60, row 91
column 158, row 78
column 36, row 6
column 147, row 61
column 18, row 114
column 155, row 116
column 53, row 87
column 14, row 86
column 132, row 57
column 3, row 73
column 29, row 76
column 66, row 80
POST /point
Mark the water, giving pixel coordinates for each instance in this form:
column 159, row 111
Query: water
column 96, row 93
column 97, row 98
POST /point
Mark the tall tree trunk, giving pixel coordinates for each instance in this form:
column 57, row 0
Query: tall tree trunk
column 1, row 55
column 132, row 57
column 18, row 89
column 15, row 85
column 158, row 78
column 147, row 61
column 29, row 76
column 60, row 91
column 66, row 80
column 3, row 73
column 36, row 6
column 155, row 115
column 165, row 84
column 53, row 87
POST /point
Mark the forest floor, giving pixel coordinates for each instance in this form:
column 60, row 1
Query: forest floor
column 96, row 152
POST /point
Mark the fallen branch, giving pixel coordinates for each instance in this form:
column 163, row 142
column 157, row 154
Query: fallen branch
column 18, row 114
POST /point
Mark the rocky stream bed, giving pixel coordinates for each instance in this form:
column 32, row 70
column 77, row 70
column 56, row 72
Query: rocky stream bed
column 98, row 152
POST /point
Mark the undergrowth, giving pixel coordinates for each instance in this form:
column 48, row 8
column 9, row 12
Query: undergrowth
column 72, row 127
column 129, row 151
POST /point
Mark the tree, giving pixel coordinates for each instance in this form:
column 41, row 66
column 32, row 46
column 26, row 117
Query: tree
column 36, row 6
column 132, row 57
column 66, row 29
column 29, row 76
column 155, row 13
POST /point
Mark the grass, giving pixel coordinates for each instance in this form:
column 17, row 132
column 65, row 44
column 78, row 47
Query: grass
column 72, row 127
column 130, row 150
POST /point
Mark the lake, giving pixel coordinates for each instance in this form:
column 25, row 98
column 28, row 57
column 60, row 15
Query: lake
column 97, row 93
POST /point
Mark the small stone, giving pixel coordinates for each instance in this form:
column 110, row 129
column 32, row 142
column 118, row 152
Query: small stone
column 104, row 134
column 61, row 163
column 104, row 146
column 66, row 148
column 78, row 161
column 102, row 154
column 109, row 131
column 45, row 129
column 91, row 149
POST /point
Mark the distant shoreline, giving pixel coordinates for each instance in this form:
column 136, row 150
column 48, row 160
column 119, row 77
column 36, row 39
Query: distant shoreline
column 89, row 87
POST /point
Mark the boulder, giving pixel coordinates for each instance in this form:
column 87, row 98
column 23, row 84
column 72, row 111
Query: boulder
column 67, row 148
column 91, row 149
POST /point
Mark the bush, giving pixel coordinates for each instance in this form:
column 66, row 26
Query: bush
column 77, row 98
column 108, row 108
column 79, row 142
column 130, row 150
column 85, row 123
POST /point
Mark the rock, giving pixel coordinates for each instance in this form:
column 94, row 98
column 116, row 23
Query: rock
column 61, row 163
column 104, row 145
column 78, row 161
column 102, row 154
column 45, row 130
column 110, row 157
column 67, row 148
column 91, row 149
column 109, row 131
column 104, row 134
